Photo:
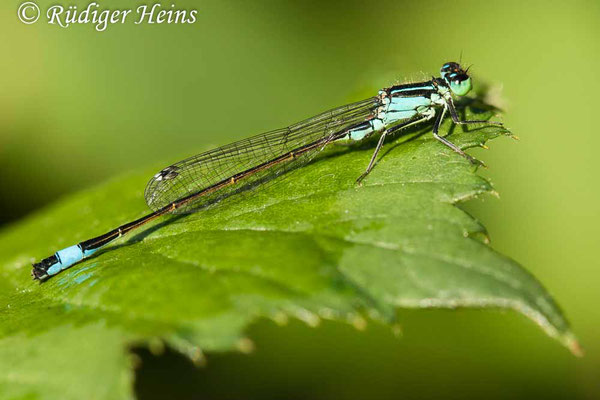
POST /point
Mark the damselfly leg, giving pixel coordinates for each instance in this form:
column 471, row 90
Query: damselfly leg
column 385, row 133
column 454, row 115
column 457, row 120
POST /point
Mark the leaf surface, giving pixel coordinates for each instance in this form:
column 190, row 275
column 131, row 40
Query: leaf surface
column 312, row 246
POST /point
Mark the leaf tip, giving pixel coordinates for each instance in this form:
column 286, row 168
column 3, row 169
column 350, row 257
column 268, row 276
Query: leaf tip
column 571, row 342
column 135, row 362
column 359, row 323
column 280, row 318
column 245, row 345
column 308, row 318
column 197, row 356
column 156, row 346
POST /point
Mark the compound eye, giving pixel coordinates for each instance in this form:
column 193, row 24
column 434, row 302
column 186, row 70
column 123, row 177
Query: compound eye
column 460, row 85
column 459, row 77
column 449, row 68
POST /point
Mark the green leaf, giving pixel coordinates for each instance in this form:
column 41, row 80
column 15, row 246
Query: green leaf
column 313, row 246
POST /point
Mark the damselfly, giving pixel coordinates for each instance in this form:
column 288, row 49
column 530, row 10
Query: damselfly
column 197, row 182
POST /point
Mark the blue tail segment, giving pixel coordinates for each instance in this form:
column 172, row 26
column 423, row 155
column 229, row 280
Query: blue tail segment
column 66, row 258
column 60, row 261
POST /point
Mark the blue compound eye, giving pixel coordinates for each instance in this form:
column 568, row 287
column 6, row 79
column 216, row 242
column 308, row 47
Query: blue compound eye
column 448, row 68
column 460, row 84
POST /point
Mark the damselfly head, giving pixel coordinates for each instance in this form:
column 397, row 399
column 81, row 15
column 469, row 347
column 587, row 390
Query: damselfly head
column 457, row 79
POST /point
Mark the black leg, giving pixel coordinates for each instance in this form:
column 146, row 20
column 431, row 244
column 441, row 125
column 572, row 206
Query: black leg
column 436, row 127
column 390, row 131
column 373, row 157
column 457, row 120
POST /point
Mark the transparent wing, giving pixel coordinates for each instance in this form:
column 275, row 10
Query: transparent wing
column 193, row 175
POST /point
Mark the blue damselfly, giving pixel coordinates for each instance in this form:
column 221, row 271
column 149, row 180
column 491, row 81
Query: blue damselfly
column 192, row 184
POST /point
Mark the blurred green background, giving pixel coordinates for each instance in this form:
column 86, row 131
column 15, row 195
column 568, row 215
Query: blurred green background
column 78, row 107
